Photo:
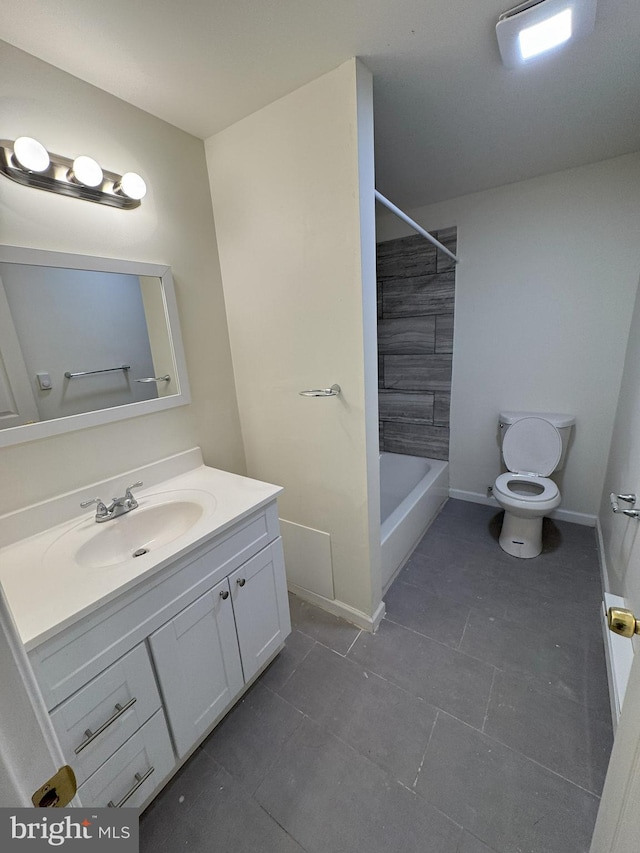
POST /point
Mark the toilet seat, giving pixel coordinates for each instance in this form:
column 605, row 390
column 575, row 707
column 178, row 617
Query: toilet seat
column 549, row 489
column 532, row 446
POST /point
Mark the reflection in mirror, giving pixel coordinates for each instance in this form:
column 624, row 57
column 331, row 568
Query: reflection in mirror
column 84, row 341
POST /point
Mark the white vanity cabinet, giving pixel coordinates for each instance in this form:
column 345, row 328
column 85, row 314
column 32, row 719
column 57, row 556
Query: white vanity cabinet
column 135, row 685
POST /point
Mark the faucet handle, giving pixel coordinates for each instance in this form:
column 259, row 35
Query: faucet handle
column 85, row 504
column 101, row 509
column 129, row 497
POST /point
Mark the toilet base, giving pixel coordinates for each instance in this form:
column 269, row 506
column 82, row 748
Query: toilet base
column 521, row 537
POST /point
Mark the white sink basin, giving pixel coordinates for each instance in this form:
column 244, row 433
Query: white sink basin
column 138, row 532
column 158, row 520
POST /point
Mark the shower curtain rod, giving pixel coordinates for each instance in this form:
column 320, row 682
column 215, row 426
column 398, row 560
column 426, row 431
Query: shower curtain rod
column 399, row 213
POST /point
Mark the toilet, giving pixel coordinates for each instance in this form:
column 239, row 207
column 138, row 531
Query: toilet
column 533, row 446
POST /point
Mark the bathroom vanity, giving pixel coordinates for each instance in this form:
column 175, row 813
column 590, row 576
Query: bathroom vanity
column 139, row 657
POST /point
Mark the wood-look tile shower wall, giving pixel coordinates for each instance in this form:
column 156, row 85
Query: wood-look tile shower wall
column 416, row 292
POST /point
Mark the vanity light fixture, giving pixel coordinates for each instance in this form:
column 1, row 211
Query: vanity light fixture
column 28, row 162
column 86, row 171
column 538, row 26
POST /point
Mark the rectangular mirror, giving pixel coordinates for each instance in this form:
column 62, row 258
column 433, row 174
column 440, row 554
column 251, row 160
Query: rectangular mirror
column 84, row 341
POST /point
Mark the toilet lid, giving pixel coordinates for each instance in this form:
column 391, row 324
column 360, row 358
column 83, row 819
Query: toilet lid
column 532, row 446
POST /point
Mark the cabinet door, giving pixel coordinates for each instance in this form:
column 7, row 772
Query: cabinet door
column 198, row 665
column 261, row 607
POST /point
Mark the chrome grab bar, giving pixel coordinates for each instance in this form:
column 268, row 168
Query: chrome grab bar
column 166, row 378
column 630, row 499
column 322, row 392
column 91, row 736
column 70, row 375
column 139, row 781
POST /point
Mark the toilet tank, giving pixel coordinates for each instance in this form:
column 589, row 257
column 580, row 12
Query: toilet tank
column 562, row 423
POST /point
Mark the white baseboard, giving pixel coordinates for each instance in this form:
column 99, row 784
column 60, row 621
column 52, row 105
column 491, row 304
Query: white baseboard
column 559, row 514
column 339, row 608
column 473, row 497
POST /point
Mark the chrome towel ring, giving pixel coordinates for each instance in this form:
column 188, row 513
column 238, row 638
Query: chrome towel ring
column 322, row 392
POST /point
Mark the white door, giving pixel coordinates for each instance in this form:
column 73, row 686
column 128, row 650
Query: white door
column 17, row 403
column 618, row 825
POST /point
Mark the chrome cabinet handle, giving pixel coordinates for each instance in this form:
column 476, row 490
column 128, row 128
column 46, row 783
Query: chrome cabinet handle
column 91, row 736
column 224, row 594
column 322, row 392
column 166, row 378
column 139, row 781
column 241, row 581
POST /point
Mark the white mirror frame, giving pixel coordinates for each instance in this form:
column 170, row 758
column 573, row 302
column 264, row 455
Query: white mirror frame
column 45, row 429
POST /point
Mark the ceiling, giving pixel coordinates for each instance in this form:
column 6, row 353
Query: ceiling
column 450, row 119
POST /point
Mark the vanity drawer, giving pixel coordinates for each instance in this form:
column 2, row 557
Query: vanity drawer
column 132, row 773
column 111, row 707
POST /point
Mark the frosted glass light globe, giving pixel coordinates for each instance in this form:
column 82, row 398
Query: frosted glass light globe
column 30, row 154
column 86, row 171
column 132, row 185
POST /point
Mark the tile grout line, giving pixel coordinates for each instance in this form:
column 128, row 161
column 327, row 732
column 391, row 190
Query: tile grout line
column 367, row 673
column 439, row 642
column 324, row 645
column 522, row 755
column 486, row 712
column 353, row 643
column 464, row 630
column 295, row 668
column 277, row 822
column 424, row 755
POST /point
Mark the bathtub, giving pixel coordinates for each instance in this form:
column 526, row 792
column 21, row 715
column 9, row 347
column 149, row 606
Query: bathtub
column 412, row 490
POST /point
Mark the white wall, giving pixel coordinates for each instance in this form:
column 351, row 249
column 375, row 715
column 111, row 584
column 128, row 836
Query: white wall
column 174, row 225
column 621, row 535
column 290, row 186
column 544, row 294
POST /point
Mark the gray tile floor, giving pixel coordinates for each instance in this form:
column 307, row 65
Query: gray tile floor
column 475, row 721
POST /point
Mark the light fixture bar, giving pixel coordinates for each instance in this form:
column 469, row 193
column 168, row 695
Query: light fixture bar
column 63, row 176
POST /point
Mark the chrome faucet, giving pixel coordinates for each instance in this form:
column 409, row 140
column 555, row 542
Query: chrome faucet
column 119, row 506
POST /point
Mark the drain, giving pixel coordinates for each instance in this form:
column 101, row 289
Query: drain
column 140, row 552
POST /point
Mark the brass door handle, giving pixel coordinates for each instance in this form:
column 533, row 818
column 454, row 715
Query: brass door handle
column 622, row 621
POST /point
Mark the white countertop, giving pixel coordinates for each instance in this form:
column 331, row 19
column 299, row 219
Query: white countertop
column 47, row 591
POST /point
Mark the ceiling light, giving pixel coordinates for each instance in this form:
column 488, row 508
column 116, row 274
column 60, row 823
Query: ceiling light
column 131, row 185
column 86, row 171
column 538, row 26
column 545, row 35
column 30, row 154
